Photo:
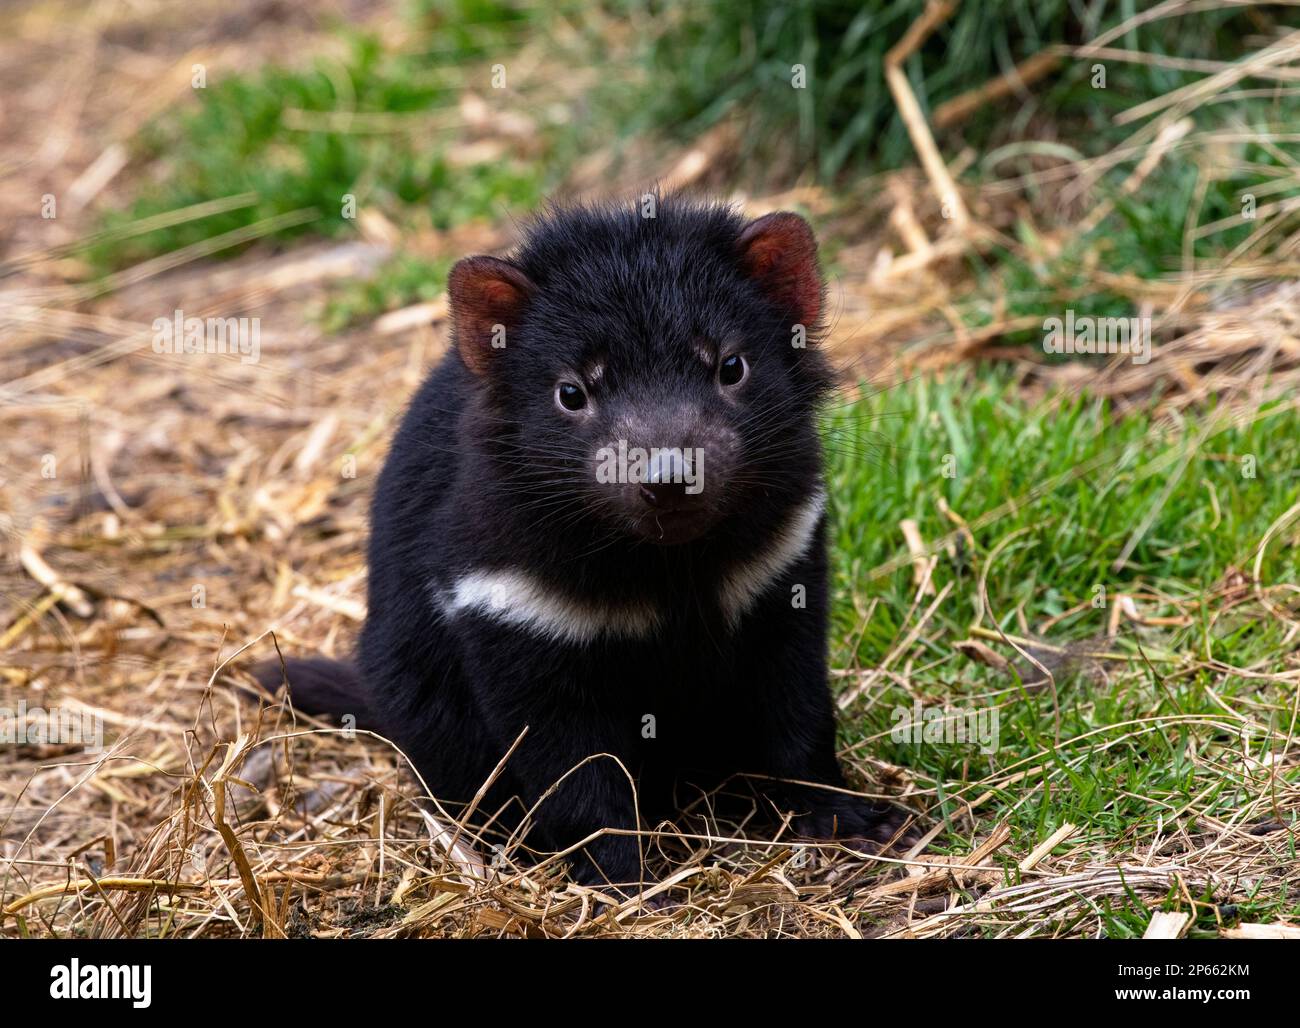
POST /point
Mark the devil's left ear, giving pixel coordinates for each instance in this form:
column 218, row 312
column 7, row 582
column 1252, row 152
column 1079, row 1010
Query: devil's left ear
column 779, row 252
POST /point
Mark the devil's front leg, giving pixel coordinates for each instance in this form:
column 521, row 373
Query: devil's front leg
column 575, row 767
column 790, row 714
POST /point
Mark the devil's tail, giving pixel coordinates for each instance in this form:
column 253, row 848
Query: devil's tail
column 319, row 686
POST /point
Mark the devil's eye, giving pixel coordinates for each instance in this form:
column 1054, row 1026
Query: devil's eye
column 570, row 396
column 733, row 370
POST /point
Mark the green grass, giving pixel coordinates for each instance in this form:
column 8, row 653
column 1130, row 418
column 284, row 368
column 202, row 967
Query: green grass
column 1143, row 237
column 1083, row 484
column 276, row 135
column 272, row 138
column 702, row 63
column 401, row 281
column 709, row 60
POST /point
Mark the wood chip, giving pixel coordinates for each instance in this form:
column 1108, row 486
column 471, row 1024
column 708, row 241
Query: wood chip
column 985, row 654
column 69, row 595
column 1167, row 924
column 406, row 318
column 921, row 561
column 1045, row 847
column 1262, row 931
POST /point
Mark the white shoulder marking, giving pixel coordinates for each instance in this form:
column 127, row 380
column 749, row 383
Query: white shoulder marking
column 518, row 598
column 522, row 599
column 743, row 585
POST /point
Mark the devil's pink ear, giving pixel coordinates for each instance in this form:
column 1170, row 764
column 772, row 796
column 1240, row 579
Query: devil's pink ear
column 779, row 252
column 487, row 297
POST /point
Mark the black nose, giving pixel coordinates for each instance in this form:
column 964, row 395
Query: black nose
column 665, row 485
column 666, row 495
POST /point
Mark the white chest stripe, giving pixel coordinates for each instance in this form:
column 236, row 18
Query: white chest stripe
column 519, row 598
column 745, row 584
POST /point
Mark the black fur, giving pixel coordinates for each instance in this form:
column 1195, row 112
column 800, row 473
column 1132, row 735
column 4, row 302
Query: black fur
column 487, row 472
column 321, row 687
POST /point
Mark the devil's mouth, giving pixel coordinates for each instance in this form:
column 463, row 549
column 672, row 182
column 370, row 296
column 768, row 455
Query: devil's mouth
column 671, row 527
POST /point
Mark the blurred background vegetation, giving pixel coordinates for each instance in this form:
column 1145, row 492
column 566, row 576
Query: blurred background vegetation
column 380, row 118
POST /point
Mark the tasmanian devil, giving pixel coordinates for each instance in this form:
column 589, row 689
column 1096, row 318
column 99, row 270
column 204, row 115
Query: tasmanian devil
column 603, row 520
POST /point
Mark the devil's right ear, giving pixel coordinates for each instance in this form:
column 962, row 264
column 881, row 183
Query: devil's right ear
column 487, row 297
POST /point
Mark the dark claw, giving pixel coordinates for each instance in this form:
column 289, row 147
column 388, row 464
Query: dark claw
column 870, row 825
